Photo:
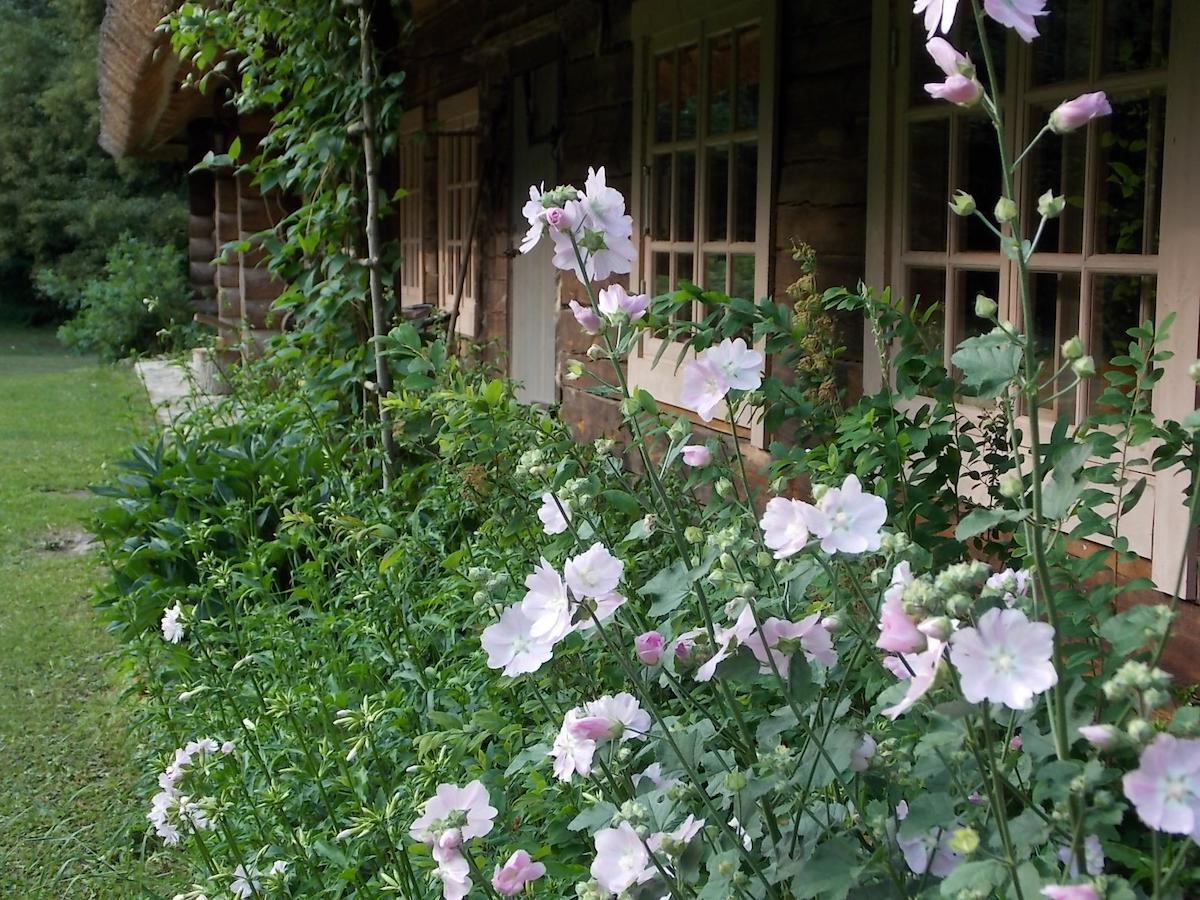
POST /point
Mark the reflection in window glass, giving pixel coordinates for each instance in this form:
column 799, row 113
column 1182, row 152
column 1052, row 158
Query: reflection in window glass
column 979, row 176
column 927, row 290
column 720, row 64
column 747, row 79
column 922, row 69
column 1055, row 299
column 929, row 159
column 718, row 193
column 1119, row 302
column 743, row 276
column 714, row 272
column 1058, row 163
column 683, row 272
column 1135, row 35
column 685, row 208
column 660, row 226
column 664, row 93
column 1130, row 171
column 968, row 285
column 745, row 192
column 1065, row 47
column 660, row 275
column 689, row 90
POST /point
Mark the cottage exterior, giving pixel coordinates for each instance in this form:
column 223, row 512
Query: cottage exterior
column 735, row 127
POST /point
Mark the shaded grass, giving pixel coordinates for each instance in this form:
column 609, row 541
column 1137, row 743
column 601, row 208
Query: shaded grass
column 71, row 811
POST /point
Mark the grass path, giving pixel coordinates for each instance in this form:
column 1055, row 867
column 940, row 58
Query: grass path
column 71, row 816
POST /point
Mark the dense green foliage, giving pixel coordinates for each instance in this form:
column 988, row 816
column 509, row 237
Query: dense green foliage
column 63, row 201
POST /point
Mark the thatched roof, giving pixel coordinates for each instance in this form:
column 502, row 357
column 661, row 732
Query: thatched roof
column 142, row 106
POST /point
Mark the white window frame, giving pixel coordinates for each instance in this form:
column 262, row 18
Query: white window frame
column 457, row 186
column 659, row 26
column 410, row 209
column 1157, row 529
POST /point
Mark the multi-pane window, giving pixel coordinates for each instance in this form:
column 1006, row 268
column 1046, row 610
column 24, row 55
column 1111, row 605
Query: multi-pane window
column 1095, row 271
column 458, row 187
column 409, row 208
column 704, row 154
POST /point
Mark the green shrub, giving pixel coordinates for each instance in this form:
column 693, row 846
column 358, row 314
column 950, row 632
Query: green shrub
column 140, row 304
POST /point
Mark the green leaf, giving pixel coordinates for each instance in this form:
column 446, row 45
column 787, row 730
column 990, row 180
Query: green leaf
column 493, row 392
column 1132, row 629
column 595, row 817
column 980, row 520
column 671, row 585
column 989, row 363
column 981, row 876
column 830, row 872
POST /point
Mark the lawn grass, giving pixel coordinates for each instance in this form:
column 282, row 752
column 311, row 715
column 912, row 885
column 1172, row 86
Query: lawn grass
column 71, row 815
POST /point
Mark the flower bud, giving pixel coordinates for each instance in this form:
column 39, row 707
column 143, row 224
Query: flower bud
column 595, row 352
column 747, row 591
column 574, row 370
column 1072, row 349
column 1084, row 367
column 831, row 624
column 736, row 781
column 1005, row 210
column 724, row 487
column 962, row 204
column 1102, row 737
column 630, row 407
column 818, row 491
column 693, row 535
column 1194, row 371
column 649, row 647
column 725, row 868
column 763, row 559
column 1139, row 730
column 1011, row 485
column 985, row 307
column 938, row 628
column 1050, row 206
column 964, row 841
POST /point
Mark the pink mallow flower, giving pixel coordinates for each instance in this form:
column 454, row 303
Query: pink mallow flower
column 930, row 852
column 1017, row 14
column 1076, row 113
column 546, row 605
column 586, row 317
column 785, row 526
column 939, row 14
column 593, row 573
column 510, row 645
column 649, row 648
column 1165, row 787
column 612, row 718
column 622, row 859
column 571, row 752
column 924, row 668
column 1102, row 737
column 949, row 60
column 520, row 870
column 1093, row 857
column 453, row 871
column 847, row 520
column 464, row 812
column 957, row 89
column 704, row 388
column 555, row 514
column 1070, row 892
column 614, row 301
column 1005, row 659
column 696, row 455
column 860, row 756
column 778, row 639
column 728, row 641
column 897, row 632
column 741, row 366
column 601, row 211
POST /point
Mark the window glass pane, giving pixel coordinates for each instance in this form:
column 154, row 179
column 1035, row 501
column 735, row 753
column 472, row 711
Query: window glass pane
column 1055, row 320
column 1119, row 302
column 966, row 39
column 747, row 79
column 683, row 272
column 660, row 277
column 928, row 194
column 968, row 285
column 660, row 226
column 1057, row 163
column 689, row 89
column 1064, row 49
column 743, row 276
column 927, row 288
column 664, row 93
column 714, row 272
column 979, row 176
column 718, row 193
column 685, row 221
column 922, row 69
column 1130, row 171
column 720, row 75
column 1135, row 35
column 745, row 192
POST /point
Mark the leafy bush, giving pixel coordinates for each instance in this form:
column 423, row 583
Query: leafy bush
column 140, row 304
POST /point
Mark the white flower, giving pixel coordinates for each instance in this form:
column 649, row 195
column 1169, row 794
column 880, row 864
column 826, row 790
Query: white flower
column 172, row 630
column 555, row 514
column 205, row 745
column 704, row 388
column 598, row 219
column 653, row 774
column 939, row 14
column 594, row 573
column 848, row 520
column 244, row 884
column 535, row 213
column 741, row 366
column 511, row 646
column 546, row 604
column 454, row 872
column 728, row 641
column 924, row 668
column 622, row 860
column 930, row 853
column 1005, row 659
column 615, row 718
column 465, row 809
column 571, row 753
column 598, row 609
column 615, row 302
column 1014, row 583
column 785, row 526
